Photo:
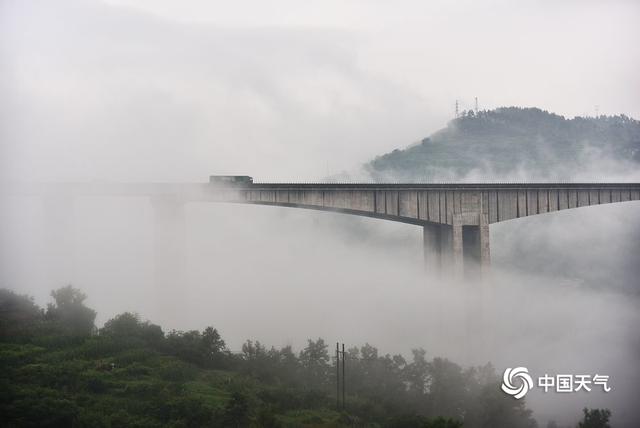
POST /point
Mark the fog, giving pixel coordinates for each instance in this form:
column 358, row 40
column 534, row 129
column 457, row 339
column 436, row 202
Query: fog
column 154, row 91
column 562, row 296
column 145, row 91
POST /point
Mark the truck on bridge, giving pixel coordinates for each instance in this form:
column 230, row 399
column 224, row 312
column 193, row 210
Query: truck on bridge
column 230, row 179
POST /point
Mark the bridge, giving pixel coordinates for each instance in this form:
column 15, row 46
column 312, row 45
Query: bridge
column 455, row 217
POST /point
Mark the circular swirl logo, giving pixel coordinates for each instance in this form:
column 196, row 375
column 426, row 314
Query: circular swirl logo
column 519, row 375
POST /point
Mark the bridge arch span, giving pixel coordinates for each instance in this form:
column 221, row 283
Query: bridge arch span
column 455, row 217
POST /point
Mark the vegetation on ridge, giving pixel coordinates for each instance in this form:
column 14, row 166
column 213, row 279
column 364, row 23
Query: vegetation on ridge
column 59, row 370
column 506, row 141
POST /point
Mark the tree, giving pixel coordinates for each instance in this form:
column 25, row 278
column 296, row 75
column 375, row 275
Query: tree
column 499, row 410
column 447, row 388
column 417, row 421
column 288, row 365
column 417, row 373
column 257, row 360
column 595, row 418
column 487, row 406
column 315, row 360
column 19, row 315
column 186, row 345
column 441, row 422
column 127, row 324
column 380, row 377
column 124, row 324
column 212, row 341
column 70, row 312
column 204, row 349
column 236, row 411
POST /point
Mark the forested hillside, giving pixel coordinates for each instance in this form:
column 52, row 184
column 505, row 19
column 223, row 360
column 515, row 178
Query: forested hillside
column 515, row 143
column 59, row 370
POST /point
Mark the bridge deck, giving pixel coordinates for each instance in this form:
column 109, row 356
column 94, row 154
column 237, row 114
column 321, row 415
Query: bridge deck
column 441, row 202
column 455, row 216
column 470, row 203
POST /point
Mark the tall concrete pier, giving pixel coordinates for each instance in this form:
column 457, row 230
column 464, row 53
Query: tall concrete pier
column 59, row 240
column 169, row 251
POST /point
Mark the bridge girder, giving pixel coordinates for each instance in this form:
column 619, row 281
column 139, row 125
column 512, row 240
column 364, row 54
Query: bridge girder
column 455, row 217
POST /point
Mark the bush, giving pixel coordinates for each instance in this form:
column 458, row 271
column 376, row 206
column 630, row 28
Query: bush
column 178, row 372
column 19, row 316
column 69, row 312
column 136, row 355
column 129, row 325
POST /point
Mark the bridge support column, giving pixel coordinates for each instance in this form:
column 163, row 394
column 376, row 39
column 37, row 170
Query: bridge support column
column 461, row 249
column 476, row 257
column 169, row 254
column 59, row 219
column 471, row 251
column 432, row 240
column 443, row 248
column 485, row 250
column 457, row 247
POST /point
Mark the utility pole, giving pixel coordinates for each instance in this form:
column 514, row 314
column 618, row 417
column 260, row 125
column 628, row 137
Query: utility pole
column 476, row 105
column 457, row 111
column 344, row 360
column 338, row 353
column 337, row 376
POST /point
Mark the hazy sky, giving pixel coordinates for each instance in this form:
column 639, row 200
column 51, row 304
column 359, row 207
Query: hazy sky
column 164, row 90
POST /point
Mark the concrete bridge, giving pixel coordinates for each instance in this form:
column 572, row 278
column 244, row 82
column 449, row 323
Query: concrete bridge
column 455, row 217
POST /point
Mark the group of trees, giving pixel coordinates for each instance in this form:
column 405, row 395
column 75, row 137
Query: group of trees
column 505, row 142
column 21, row 318
column 58, row 369
column 379, row 385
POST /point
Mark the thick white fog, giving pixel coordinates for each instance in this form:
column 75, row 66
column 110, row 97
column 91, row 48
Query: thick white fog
column 149, row 91
column 159, row 90
column 562, row 296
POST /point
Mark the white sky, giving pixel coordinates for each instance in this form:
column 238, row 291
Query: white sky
column 164, row 90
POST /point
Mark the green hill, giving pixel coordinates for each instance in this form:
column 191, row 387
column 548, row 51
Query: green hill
column 514, row 142
column 58, row 370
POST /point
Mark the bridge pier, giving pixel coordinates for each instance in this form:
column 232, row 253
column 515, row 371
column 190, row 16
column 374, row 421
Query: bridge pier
column 485, row 249
column 169, row 253
column 457, row 248
column 432, row 239
column 462, row 249
column 59, row 219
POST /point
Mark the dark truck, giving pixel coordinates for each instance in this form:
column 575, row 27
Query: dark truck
column 231, row 179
